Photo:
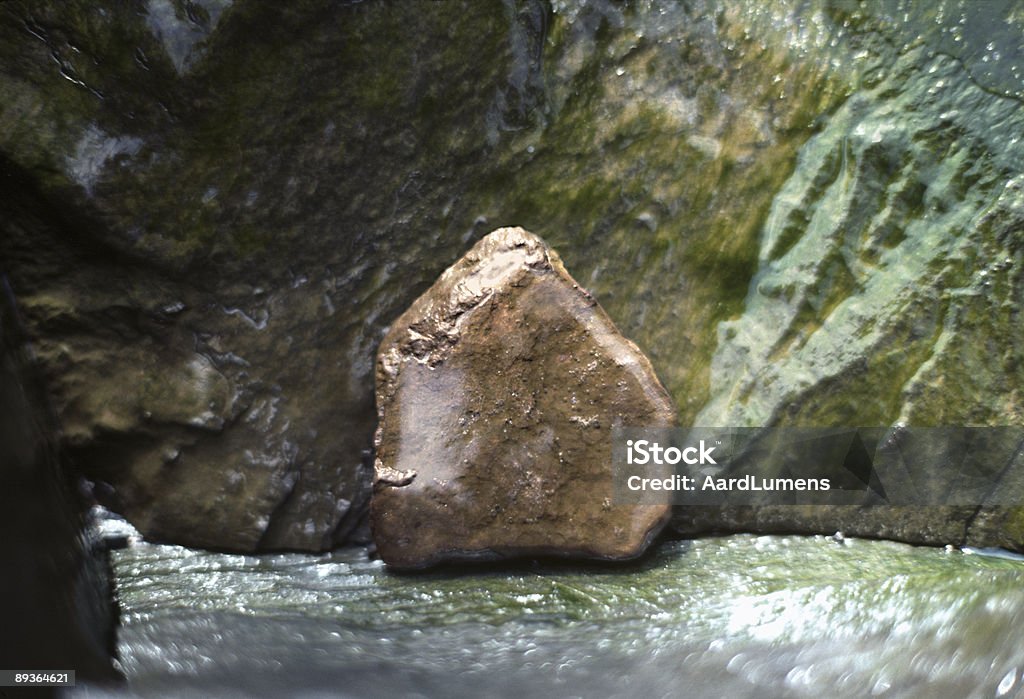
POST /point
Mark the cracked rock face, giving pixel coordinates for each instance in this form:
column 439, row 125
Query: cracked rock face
column 497, row 393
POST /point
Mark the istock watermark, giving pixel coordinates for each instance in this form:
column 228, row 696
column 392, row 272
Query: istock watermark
column 643, row 452
column 900, row 466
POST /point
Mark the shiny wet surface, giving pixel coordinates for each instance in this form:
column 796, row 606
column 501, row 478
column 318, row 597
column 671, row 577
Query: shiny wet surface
column 735, row 616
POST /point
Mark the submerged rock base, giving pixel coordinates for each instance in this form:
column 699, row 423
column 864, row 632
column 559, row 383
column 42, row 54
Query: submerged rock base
column 497, row 392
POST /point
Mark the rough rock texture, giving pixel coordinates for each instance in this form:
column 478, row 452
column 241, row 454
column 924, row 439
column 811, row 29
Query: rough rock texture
column 890, row 276
column 497, row 392
column 205, row 206
column 804, row 212
column 56, row 599
column 213, row 209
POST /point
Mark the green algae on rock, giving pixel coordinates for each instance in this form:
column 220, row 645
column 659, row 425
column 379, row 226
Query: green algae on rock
column 205, row 214
column 209, row 205
column 497, row 393
column 889, row 276
column 222, row 205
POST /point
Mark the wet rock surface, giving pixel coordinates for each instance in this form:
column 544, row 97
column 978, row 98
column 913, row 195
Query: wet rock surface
column 208, row 246
column 889, row 275
column 497, row 393
column 804, row 213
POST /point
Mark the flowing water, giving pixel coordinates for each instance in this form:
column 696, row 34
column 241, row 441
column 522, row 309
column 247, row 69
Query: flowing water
column 732, row 617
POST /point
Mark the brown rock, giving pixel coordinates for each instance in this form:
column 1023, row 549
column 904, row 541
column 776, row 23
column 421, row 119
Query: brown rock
column 497, row 392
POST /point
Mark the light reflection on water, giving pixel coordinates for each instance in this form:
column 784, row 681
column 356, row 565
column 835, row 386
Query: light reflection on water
column 736, row 616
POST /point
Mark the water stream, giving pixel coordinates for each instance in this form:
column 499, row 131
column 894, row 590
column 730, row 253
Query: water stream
column 740, row 616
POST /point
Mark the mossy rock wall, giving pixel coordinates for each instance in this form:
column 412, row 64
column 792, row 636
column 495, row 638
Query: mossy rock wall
column 219, row 207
